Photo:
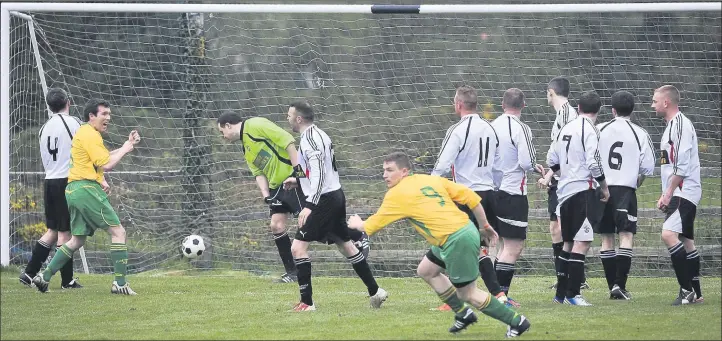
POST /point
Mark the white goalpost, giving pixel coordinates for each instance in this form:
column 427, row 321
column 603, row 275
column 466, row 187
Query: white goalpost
column 381, row 77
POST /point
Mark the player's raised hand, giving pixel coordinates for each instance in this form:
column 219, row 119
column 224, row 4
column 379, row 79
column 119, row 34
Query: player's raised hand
column 355, row 222
column 134, row 137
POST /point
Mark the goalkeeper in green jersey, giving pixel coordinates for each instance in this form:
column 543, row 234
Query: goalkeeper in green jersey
column 270, row 153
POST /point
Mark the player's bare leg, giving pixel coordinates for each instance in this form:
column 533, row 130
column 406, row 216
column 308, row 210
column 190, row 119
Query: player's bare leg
column 431, row 274
column 283, row 243
column 361, row 266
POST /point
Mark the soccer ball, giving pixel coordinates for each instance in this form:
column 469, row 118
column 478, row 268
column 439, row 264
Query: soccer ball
column 193, row 246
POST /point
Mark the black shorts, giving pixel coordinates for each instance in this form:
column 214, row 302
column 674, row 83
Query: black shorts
column 327, row 222
column 57, row 216
column 487, row 203
column 680, row 216
column 578, row 215
column 512, row 215
column 291, row 201
column 620, row 212
column 553, row 200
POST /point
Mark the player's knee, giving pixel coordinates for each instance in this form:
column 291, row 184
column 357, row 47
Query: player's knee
column 117, row 232
column 626, row 240
column 298, row 250
column 670, row 238
column 426, row 270
column 688, row 244
column 63, row 237
column 75, row 242
column 277, row 226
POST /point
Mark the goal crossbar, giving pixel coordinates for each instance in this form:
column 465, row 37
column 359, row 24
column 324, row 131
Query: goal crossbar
column 365, row 9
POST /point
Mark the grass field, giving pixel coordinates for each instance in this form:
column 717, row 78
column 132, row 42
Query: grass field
column 235, row 305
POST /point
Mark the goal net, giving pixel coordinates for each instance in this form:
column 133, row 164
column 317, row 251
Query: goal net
column 380, row 83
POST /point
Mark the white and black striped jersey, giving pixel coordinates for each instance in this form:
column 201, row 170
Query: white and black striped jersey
column 574, row 153
column 470, row 151
column 517, row 154
column 680, row 156
column 318, row 162
column 626, row 150
column 56, row 138
column 565, row 114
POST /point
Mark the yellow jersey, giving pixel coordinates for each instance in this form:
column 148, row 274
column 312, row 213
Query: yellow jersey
column 87, row 155
column 428, row 202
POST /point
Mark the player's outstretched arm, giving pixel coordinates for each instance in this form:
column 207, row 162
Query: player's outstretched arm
column 117, row 155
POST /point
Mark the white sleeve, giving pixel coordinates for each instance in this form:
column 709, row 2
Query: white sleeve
column 553, row 157
column 525, row 149
column 592, row 158
column 448, row 153
column 314, row 160
column 682, row 138
column 647, row 159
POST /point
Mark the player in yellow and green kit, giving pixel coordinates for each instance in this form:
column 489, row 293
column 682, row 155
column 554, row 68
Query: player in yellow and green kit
column 270, row 153
column 87, row 196
column 428, row 203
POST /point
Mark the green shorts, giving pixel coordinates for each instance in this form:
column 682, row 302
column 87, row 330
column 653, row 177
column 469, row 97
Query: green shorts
column 460, row 253
column 89, row 208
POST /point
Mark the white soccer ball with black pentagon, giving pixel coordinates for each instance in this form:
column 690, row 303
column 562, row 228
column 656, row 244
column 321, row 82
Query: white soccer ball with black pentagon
column 193, row 246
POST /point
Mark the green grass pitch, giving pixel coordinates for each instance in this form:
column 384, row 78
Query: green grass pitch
column 236, row 305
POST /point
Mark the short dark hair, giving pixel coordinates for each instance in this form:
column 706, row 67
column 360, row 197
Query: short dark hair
column 304, row 110
column 513, row 98
column 671, row 92
column 589, row 102
column 623, row 103
column 467, row 96
column 92, row 108
column 400, row 159
column 56, row 99
column 231, row 117
column 560, row 85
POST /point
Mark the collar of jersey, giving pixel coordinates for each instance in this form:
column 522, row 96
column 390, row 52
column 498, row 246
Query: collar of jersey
column 311, row 125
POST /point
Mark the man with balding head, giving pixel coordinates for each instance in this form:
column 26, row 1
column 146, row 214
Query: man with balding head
column 681, row 192
column 510, row 201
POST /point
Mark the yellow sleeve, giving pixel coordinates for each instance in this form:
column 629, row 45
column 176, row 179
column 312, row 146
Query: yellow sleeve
column 98, row 154
column 390, row 211
column 461, row 194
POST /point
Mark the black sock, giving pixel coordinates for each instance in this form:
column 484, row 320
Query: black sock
column 488, row 275
column 505, row 272
column 576, row 272
column 562, row 266
column 361, row 266
column 303, row 265
column 557, row 248
column 693, row 263
column 66, row 272
column 39, row 255
column 679, row 263
column 283, row 243
column 624, row 263
column 610, row 266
